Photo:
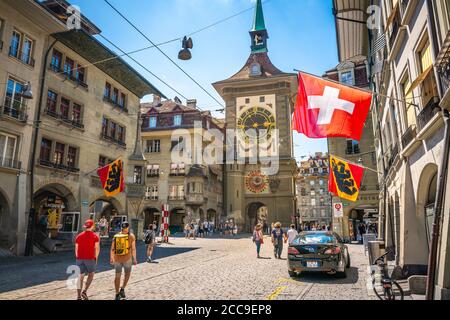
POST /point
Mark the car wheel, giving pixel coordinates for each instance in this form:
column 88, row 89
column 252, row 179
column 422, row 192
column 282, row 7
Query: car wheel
column 342, row 275
column 349, row 264
column 292, row 274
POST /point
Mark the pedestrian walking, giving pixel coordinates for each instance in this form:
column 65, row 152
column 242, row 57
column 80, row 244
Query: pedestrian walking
column 278, row 237
column 150, row 241
column 362, row 232
column 123, row 256
column 187, row 230
column 87, row 249
column 258, row 238
column 292, row 234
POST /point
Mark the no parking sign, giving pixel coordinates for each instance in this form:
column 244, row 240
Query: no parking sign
column 338, row 209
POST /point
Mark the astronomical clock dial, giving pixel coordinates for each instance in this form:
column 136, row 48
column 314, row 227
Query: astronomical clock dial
column 260, row 121
column 256, row 182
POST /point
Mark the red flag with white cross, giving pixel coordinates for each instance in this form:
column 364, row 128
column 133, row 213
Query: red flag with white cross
column 326, row 109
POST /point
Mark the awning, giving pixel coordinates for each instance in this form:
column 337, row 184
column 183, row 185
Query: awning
column 421, row 78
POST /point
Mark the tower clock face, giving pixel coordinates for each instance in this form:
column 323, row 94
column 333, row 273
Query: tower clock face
column 256, row 123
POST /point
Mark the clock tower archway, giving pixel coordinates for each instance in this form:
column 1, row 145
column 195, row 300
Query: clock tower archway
column 259, row 107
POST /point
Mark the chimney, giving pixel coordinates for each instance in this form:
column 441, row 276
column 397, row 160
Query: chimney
column 156, row 99
column 192, row 103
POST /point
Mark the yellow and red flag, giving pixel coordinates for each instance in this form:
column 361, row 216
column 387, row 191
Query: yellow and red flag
column 112, row 178
column 345, row 179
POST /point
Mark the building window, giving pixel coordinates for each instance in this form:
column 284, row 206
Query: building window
column 352, row 147
column 112, row 130
column 122, row 99
column 177, row 169
column 105, row 125
column 80, row 74
column 52, row 99
column 65, row 108
column 102, row 161
column 120, row 134
column 58, row 157
column 69, row 65
column 176, row 192
column 76, row 113
column 57, row 57
column 153, row 146
column 21, row 47
column 71, row 157
column 177, row 120
column 152, row 122
column 115, row 95
column 262, row 99
column 8, row 147
column 313, row 202
column 347, row 78
column 46, row 150
column 107, row 91
column 137, row 176
column 153, row 170
column 13, row 99
column 152, row 193
column 27, row 49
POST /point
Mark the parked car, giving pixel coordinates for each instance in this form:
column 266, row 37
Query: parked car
column 318, row 251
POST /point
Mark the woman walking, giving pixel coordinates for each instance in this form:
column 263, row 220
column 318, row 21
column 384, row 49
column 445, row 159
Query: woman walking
column 258, row 239
column 150, row 241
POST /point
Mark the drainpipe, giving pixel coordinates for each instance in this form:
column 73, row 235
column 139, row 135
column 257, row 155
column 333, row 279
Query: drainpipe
column 432, row 262
column 32, row 213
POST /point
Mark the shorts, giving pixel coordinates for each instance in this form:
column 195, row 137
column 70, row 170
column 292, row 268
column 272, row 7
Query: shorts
column 87, row 266
column 118, row 266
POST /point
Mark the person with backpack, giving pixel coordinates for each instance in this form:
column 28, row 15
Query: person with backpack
column 123, row 256
column 258, row 239
column 150, row 241
column 278, row 237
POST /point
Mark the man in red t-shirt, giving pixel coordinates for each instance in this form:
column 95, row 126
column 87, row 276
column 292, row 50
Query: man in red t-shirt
column 87, row 249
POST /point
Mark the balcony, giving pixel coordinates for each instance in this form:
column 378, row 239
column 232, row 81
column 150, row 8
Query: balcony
column 49, row 164
column 135, row 190
column 409, row 136
column 21, row 56
column 177, row 173
column 17, row 112
column 73, row 123
column 428, row 113
column 113, row 140
column 68, row 76
column 10, row 163
column 115, row 104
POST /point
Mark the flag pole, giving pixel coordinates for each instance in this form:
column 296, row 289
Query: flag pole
column 360, row 89
column 356, row 164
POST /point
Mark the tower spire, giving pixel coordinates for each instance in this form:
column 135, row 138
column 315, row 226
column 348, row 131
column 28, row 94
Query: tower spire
column 259, row 33
column 259, row 23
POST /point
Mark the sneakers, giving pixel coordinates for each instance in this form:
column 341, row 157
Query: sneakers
column 149, row 260
column 84, row 295
column 118, row 297
column 122, row 293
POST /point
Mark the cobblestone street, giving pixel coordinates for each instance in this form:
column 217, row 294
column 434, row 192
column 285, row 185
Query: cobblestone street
column 204, row 269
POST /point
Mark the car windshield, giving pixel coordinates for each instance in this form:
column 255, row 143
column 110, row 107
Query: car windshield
column 315, row 238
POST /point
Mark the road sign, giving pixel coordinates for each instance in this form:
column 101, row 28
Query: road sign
column 338, row 210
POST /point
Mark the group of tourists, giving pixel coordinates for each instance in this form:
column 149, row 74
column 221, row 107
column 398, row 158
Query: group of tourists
column 122, row 257
column 228, row 228
column 278, row 236
column 201, row 230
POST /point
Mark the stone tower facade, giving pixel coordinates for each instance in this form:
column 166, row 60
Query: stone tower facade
column 259, row 104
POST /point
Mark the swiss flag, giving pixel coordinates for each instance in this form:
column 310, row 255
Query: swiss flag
column 329, row 109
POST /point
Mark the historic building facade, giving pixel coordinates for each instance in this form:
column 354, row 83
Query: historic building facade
column 313, row 199
column 258, row 104
column 409, row 64
column 192, row 188
column 89, row 116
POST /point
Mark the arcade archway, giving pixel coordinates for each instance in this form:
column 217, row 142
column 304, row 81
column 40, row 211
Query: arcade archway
column 257, row 212
column 178, row 218
column 4, row 217
column 151, row 215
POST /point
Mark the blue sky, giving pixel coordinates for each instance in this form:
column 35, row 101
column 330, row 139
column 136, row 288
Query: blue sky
column 302, row 36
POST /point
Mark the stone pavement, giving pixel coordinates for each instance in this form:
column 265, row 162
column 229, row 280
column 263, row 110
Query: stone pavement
column 202, row 269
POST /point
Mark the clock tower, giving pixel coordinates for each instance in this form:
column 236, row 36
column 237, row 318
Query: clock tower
column 259, row 107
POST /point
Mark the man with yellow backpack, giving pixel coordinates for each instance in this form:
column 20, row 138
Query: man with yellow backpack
column 123, row 256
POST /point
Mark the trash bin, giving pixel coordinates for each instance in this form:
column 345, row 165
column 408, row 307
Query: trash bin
column 376, row 249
